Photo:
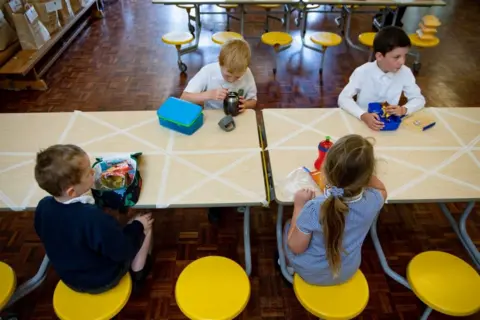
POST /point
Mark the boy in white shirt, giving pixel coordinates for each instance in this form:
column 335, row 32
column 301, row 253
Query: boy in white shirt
column 211, row 84
column 383, row 80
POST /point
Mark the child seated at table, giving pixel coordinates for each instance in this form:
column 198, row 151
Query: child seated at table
column 383, row 80
column 88, row 248
column 323, row 241
column 211, row 84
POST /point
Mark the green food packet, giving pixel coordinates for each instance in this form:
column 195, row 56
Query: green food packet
column 240, row 92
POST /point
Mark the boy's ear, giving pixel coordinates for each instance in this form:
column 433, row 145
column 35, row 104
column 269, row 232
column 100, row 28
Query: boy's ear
column 379, row 56
column 70, row 192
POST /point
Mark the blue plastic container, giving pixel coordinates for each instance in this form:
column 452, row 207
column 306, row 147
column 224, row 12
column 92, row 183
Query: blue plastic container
column 391, row 123
column 181, row 116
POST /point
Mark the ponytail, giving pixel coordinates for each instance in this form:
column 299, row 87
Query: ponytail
column 332, row 219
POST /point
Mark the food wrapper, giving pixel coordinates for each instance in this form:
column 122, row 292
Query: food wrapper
column 114, row 174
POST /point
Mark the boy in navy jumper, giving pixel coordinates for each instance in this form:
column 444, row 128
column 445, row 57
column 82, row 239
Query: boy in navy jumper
column 88, row 248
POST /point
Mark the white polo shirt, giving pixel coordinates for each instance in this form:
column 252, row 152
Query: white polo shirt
column 210, row 77
column 370, row 84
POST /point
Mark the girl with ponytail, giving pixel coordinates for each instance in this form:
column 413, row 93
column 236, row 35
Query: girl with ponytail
column 323, row 241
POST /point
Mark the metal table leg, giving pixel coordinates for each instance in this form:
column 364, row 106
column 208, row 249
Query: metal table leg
column 198, row 27
column 281, row 254
column 383, row 260
column 461, row 231
column 31, row 284
column 242, row 19
column 246, row 241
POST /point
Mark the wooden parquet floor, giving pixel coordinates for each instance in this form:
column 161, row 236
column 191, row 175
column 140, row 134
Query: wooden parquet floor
column 120, row 63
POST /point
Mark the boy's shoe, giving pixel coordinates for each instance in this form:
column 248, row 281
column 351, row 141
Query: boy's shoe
column 214, row 214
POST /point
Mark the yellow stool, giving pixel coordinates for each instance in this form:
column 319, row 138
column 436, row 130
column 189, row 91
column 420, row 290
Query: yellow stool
column 279, row 41
column 268, row 8
column 445, row 283
column 7, row 284
column 178, row 39
column 222, row 37
column 324, row 40
column 213, row 288
column 229, row 8
column 71, row 305
column 188, row 8
column 421, row 44
column 367, row 39
column 343, row 301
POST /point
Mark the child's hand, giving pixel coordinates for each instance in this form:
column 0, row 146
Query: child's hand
column 146, row 220
column 372, row 120
column 241, row 106
column 303, row 196
column 396, row 110
column 218, row 94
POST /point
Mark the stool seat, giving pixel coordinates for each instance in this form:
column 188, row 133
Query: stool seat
column 268, row 6
column 445, row 283
column 72, row 305
column 213, row 288
column 224, row 36
column 185, row 6
column 277, row 38
column 227, row 6
column 326, row 39
column 348, row 6
column 7, row 285
column 367, row 38
column 423, row 43
column 177, row 38
column 343, row 301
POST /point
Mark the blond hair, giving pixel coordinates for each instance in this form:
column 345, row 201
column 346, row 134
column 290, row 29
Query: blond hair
column 58, row 168
column 235, row 56
column 349, row 165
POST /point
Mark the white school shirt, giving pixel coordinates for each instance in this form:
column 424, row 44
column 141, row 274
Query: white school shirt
column 210, row 77
column 371, row 84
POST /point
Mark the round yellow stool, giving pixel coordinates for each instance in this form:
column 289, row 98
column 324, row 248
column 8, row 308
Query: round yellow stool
column 279, row 41
column 344, row 301
column 213, row 288
column 445, row 283
column 72, row 305
column 421, row 44
column 367, row 38
column 325, row 40
column 223, row 36
column 268, row 8
column 178, row 39
column 7, row 284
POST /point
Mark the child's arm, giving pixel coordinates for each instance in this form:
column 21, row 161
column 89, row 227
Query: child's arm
column 345, row 99
column 249, row 98
column 416, row 100
column 195, row 91
column 412, row 92
column 375, row 183
column 299, row 234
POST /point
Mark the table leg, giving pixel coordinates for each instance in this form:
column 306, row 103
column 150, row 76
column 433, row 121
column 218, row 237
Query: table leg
column 242, row 19
column 246, row 241
column 461, row 231
column 31, row 284
column 383, row 260
column 281, row 254
column 198, row 27
column 347, row 32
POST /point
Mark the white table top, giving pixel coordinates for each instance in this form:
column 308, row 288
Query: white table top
column 440, row 164
column 414, row 3
column 209, row 168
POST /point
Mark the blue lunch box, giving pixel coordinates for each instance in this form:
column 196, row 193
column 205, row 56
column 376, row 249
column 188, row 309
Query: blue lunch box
column 179, row 115
column 391, row 123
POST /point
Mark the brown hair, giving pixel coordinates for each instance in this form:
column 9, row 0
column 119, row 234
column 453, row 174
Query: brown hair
column 349, row 165
column 235, row 56
column 58, row 168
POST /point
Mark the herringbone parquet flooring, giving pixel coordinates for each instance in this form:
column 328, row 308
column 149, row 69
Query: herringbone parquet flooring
column 120, row 63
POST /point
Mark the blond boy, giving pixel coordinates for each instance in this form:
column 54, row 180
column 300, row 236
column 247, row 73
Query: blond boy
column 211, row 84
